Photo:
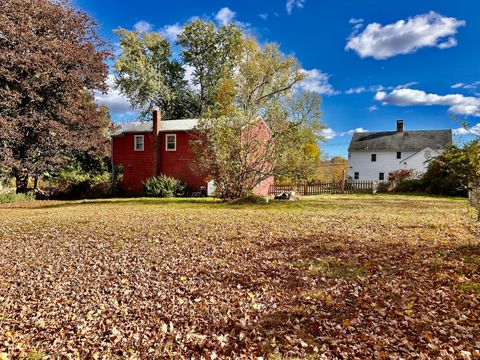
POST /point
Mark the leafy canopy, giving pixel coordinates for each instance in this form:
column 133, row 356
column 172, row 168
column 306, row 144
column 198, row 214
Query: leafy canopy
column 51, row 60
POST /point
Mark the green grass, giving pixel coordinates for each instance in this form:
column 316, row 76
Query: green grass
column 10, row 197
column 336, row 269
column 470, row 288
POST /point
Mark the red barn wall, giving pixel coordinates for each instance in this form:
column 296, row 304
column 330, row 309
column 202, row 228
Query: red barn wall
column 178, row 163
column 137, row 165
column 261, row 132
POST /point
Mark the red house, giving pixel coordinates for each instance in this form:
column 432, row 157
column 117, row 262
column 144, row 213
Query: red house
column 163, row 147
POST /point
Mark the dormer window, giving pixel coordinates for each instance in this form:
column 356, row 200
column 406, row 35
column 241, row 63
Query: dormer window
column 138, row 143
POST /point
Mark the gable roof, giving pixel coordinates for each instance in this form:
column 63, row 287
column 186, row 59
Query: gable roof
column 165, row 125
column 400, row 141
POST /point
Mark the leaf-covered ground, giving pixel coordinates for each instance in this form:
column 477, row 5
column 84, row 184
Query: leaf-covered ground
column 327, row 277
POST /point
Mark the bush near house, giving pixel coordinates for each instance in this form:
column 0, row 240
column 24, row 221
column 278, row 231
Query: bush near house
column 164, row 186
column 438, row 180
column 72, row 185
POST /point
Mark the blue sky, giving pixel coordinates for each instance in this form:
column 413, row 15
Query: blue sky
column 372, row 61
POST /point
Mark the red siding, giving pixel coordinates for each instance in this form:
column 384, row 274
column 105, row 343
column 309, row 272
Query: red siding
column 137, row 165
column 264, row 187
column 178, row 164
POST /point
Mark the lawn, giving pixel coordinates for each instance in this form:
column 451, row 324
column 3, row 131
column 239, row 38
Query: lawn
column 327, row 277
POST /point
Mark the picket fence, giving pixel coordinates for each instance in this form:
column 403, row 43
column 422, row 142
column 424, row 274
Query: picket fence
column 340, row 187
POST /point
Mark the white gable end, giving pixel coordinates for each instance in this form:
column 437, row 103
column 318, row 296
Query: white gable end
column 420, row 160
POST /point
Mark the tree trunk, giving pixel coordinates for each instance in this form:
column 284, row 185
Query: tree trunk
column 35, row 182
column 21, row 182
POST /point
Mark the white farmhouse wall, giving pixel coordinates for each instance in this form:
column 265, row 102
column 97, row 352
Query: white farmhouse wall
column 419, row 162
column 360, row 161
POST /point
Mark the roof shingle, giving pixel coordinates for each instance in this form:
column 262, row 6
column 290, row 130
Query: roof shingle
column 400, row 141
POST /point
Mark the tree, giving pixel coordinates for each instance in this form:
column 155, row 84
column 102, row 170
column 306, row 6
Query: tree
column 212, row 53
column 334, row 169
column 263, row 84
column 147, row 76
column 51, row 59
column 462, row 163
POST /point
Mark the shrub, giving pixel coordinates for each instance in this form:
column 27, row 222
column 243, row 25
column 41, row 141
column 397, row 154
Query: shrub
column 400, row 175
column 410, row 186
column 164, row 186
column 74, row 185
column 9, row 197
column 441, row 179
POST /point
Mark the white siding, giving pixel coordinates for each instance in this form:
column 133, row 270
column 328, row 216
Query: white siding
column 419, row 162
column 360, row 161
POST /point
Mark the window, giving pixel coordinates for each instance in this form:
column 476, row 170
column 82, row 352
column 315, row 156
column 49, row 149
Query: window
column 356, row 176
column 399, row 154
column 138, row 144
column 171, row 142
column 381, row 176
column 374, row 157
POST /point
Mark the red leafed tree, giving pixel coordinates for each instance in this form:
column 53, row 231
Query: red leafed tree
column 51, row 60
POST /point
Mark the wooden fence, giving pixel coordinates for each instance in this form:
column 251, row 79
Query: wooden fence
column 347, row 187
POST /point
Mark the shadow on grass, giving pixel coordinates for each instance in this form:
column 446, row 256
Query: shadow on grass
column 131, row 202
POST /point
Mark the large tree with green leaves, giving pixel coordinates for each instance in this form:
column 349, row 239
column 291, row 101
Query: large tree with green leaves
column 51, row 60
column 212, row 53
column 264, row 83
column 150, row 78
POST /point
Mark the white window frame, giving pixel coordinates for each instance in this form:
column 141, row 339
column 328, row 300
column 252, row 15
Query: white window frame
column 135, row 142
column 166, row 142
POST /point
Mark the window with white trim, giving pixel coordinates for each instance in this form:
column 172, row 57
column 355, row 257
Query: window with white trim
column 171, row 142
column 356, row 175
column 138, row 143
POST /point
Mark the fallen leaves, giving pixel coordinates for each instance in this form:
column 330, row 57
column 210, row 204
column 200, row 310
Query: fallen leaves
column 332, row 277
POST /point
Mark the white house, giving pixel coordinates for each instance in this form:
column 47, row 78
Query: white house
column 373, row 155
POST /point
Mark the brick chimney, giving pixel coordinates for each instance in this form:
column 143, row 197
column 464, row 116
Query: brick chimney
column 157, row 119
column 399, row 125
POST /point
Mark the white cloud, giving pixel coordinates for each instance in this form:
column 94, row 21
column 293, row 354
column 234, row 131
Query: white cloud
column 329, row 133
column 170, row 32
column 264, row 16
column 291, row 4
column 355, row 21
column 377, row 88
column 225, row 16
column 142, row 26
column 457, row 103
column 372, row 108
column 116, row 102
column 472, row 130
column 357, row 90
column 317, row 81
column 405, row 37
column 189, row 76
column 472, row 86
